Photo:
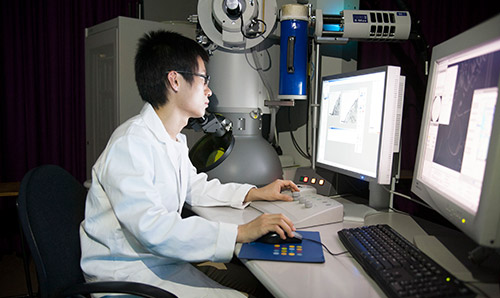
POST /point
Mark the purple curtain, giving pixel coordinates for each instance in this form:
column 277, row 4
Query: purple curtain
column 42, row 87
column 42, row 106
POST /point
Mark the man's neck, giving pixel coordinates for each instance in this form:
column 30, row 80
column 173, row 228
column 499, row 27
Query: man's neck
column 172, row 120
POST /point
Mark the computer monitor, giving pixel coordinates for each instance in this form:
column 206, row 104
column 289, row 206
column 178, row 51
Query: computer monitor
column 357, row 123
column 457, row 170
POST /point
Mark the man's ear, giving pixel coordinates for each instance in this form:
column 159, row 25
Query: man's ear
column 173, row 81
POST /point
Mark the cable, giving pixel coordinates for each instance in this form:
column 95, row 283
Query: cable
column 260, row 72
column 253, row 22
column 297, row 147
column 471, row 284
column 259, row 67
column 408, row 198
column 399, row 211
column 324, row 246
column 304, row 154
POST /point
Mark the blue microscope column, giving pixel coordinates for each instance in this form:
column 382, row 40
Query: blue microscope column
column 293, row 59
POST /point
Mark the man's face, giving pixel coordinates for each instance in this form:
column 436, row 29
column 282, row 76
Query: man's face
column 195, row 96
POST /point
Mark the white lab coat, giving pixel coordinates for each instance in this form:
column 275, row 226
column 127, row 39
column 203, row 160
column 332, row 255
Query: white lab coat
column 133, row 229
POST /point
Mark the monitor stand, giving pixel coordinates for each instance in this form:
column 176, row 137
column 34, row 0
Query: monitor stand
column 451, row 249
column 432, row 247
column 380, row 197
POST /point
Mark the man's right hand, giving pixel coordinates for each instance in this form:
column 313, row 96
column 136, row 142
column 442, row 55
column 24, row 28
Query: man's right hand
column 264, row 224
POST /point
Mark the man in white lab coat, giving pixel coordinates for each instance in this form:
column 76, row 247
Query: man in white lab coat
column 133, row 229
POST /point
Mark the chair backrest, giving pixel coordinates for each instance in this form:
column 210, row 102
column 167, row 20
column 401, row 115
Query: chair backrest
column 51, row 206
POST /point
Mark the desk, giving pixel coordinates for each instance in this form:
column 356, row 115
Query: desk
column 9, row 189
column 339, row 276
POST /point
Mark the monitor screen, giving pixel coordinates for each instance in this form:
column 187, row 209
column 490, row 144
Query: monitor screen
column 357, row 123
column 457, row 154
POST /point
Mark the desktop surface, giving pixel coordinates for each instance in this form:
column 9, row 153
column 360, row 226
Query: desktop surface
column 341, row 275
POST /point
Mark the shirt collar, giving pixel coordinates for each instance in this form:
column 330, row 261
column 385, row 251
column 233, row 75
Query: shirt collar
column 154, row 123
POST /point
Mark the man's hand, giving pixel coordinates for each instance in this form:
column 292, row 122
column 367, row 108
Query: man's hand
column 272, row 191
column 264, row 224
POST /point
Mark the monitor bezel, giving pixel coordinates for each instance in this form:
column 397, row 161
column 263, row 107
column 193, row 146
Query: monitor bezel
column 481, row 226
column 387, row 127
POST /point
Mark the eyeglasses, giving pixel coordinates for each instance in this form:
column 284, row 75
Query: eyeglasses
column 206, row 78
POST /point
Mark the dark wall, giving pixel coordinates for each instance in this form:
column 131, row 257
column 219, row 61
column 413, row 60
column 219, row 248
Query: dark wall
column 434, row 22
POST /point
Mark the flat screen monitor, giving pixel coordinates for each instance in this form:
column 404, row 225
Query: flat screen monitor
column 457, row 170
column 358, row 123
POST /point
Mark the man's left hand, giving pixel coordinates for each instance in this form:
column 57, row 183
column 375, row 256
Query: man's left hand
column 272, row 191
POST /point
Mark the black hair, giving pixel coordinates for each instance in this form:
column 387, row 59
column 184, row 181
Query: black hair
column 159, row 52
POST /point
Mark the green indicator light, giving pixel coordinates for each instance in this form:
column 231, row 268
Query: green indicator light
column 448, row 279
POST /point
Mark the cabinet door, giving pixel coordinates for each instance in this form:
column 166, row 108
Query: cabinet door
column 101, row 87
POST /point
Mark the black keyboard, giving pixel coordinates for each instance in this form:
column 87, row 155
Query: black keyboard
column 398, row 266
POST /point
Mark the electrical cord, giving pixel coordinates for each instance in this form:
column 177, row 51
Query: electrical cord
column 297, row 147
column 471, row 284
column 258, row 66
column 407, row 197
column 324, row 246
column 304, row 154
column 253, row 22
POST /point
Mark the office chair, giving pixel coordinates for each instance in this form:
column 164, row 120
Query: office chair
column 51, row 206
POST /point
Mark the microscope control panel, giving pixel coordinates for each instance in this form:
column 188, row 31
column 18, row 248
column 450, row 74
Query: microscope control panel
column 307, row 208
